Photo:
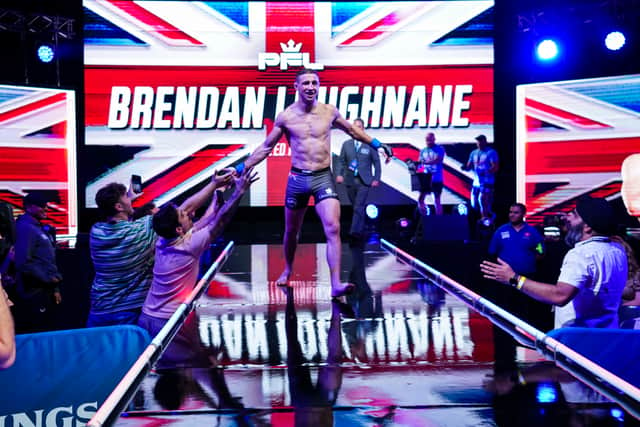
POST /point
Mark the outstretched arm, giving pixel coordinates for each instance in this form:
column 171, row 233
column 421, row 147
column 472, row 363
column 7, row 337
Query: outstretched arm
column 559, row 294
column 7, row 334
column 361, row 135
column 222, row 217
column 263, row 150
column 194, row 202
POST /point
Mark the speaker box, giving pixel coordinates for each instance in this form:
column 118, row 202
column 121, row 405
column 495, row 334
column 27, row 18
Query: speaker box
column 445, row 227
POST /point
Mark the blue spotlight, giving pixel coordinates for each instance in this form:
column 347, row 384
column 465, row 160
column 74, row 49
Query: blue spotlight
column 617, row 414
column 372, row 211
column 547, row 50
column 546, row 393
column 45, row 53
column 614, row 40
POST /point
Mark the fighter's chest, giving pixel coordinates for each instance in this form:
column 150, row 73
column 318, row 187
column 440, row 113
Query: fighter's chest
column 310, row 125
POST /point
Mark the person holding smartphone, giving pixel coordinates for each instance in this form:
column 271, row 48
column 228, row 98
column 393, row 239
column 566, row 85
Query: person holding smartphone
column 123, row 252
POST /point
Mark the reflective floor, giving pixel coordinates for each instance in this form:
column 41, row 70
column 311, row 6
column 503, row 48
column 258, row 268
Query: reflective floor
column 397, row 352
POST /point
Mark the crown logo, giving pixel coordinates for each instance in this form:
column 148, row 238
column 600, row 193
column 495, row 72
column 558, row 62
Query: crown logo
column 291, row 46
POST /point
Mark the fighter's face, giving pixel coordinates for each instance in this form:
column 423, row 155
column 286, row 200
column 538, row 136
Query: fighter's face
column 631, row 184
column 307, row 87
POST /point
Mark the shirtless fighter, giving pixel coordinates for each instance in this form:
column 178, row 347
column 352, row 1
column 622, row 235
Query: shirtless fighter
column 307, row 125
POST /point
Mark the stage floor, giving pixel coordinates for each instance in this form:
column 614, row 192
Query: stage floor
column 397, row 352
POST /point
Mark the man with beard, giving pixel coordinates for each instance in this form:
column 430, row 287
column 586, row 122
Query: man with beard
column 593, row 275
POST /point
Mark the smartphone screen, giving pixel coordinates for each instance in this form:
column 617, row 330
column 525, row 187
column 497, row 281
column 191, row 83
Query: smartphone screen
column 136, row 184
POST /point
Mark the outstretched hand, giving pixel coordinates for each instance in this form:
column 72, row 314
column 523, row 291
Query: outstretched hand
column 387, row 152
column 500, row 271
column 245, row 179
column 222, row 177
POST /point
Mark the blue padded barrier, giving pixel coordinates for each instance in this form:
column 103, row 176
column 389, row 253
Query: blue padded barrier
column 62, row 377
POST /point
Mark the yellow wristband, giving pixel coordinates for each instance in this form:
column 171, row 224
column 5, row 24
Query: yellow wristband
column 521, row 281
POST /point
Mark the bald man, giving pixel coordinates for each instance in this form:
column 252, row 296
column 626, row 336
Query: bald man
column 631, row 184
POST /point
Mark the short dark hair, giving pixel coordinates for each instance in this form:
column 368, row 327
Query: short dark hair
column 522, row 207
column 304, row 71
column 108, row 196
column 34, row 199
column 358, row 119
column 143, row 210
column 165, row 221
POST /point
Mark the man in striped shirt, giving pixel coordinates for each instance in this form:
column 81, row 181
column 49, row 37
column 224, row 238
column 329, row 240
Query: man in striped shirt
column 123, row 251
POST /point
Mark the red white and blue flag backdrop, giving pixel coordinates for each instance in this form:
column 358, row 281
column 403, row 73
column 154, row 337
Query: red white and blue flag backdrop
column 38, row 151
column 190, row 87
column 572, row 137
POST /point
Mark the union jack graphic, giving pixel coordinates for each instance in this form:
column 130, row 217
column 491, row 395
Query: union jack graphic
column 572, row 139
column 156, row 44
column 37, row 151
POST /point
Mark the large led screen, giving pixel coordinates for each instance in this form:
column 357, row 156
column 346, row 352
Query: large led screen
column 176, row 90
column 572, row 138
column 38, row 151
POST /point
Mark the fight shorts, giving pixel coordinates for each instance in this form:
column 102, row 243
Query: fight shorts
column 303, row 183
column 427, row 185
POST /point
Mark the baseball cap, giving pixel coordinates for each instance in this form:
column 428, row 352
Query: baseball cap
column 36, row 199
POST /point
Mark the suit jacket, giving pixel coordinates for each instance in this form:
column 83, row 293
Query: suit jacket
column 367, row 156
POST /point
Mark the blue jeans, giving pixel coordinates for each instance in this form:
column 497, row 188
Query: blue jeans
column 124, row 317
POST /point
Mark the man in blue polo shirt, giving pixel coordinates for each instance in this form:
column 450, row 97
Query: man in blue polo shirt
column 519, row 245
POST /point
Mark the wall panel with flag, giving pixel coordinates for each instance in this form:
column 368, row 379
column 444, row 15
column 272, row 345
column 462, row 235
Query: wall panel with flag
column 175, row 90
column 38, row 151
column 572, row 137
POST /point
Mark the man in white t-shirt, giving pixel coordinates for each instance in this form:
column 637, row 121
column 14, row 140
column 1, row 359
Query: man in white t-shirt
column 589, row 290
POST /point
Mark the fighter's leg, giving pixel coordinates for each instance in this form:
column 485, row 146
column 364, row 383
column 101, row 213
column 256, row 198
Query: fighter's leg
column 293, row 219
column 421, row 206
column 329, row 212
column 359, row 204
column 436, row 187
column 437, row 203
column 486, row 200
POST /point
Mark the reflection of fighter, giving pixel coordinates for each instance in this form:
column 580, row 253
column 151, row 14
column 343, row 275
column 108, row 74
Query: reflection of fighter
column 631, row 184
column 307, row 125
column 313, row 404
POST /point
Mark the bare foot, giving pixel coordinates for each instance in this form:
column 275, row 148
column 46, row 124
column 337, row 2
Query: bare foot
column 283, row 280
column 344, row 289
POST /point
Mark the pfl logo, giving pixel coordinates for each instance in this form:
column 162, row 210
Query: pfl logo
column 290, row 56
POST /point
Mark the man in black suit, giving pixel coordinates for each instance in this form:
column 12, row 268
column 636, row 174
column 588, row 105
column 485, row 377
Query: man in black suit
column 354, row 170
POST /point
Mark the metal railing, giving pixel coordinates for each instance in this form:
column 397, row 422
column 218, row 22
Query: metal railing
column 120, row 397
column 597, row 377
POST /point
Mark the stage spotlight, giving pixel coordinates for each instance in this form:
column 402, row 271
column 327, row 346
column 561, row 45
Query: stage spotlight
column 45, row 53
column 617, row 414
column 403, row 223
column 547, row 50
column 546, row 393
column 614, row 40
column 372, row 211
column 462, row 209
